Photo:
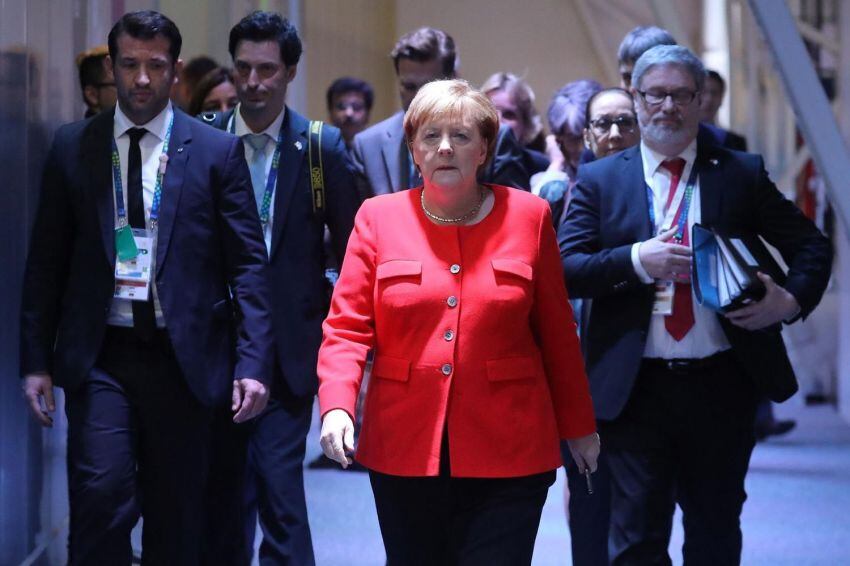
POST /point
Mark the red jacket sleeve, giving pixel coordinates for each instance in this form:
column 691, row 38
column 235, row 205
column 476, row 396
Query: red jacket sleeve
column 555, row 330
column 349, row 329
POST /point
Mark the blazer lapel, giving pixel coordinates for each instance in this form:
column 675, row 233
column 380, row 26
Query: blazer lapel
column 710, row 184
column 639, row 222
column 172, row 184
column 292, row 152
column 96, row 152
column 391, row 152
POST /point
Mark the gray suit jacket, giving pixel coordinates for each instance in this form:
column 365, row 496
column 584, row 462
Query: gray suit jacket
column 379, row 159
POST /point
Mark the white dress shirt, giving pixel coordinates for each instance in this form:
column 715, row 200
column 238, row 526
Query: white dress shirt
column 241, row 129
column 706, row 337
column 121, row 310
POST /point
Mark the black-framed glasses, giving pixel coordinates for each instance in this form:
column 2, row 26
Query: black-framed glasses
column 626, row 124
column 681, row 97
column 104, row 85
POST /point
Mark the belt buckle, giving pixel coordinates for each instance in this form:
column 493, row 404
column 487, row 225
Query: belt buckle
column 677, row 365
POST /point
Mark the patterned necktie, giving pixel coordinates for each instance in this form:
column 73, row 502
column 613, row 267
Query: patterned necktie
column 144, row 319
column 681, row 320
column 257, row 165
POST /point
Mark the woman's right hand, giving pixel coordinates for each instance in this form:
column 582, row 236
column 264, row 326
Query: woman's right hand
column 337, row 438
column 585, row 451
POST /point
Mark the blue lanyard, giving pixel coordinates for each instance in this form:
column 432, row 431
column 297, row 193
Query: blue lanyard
column 271, row 182
column 157, row 191
column 682, row 224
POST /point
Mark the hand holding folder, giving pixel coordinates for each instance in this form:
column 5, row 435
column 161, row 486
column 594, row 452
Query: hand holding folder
column 736, row 275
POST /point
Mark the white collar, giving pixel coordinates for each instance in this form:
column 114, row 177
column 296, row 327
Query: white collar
column 157, row 126
column 652, row 159
column 241, row 128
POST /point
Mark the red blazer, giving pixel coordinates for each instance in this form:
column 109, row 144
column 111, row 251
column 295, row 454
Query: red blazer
column 471, row 329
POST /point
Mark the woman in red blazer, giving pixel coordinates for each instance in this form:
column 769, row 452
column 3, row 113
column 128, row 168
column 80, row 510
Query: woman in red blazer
column 458, row 289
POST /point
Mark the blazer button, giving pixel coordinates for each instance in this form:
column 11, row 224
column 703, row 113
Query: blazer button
column 448, row 335
column 446, row 369
column 455, row 268
column 452, row 301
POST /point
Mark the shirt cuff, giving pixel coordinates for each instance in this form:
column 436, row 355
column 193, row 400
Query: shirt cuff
column 639, row 270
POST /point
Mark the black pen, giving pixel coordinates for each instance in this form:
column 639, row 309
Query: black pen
column 589, row 481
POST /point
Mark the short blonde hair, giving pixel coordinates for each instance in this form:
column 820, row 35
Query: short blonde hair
column 522, row 96
column 457, row 99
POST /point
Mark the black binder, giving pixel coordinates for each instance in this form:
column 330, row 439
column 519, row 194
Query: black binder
column 725, row 265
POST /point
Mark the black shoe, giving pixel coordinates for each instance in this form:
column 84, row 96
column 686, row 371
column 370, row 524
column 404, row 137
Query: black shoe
column 774, row 428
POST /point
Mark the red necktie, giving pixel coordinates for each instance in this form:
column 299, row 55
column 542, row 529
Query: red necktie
column 681, row 320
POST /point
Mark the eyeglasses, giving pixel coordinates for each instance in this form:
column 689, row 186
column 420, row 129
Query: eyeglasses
column 104, row 85
column 625, row 124
column 681, row 97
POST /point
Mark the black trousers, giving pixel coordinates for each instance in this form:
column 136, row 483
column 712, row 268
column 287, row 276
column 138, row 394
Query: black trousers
column 590, row 514
column 257, row 468
column 446, row 521
column 685, row 436
column 137, row 444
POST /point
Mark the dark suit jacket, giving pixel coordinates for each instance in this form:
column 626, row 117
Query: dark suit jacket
column 209, row 248
column 534, row 161
column 711, row 134
column 297, row 260
column 377, row 157
column 608, row 213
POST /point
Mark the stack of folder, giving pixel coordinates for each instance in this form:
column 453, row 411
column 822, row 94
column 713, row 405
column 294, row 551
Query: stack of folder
column 725, row 267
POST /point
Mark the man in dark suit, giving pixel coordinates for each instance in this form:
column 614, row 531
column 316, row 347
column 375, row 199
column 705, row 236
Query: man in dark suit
column 675, row 384
column 381, row 158
column 143, row 365
column 712, row 98
column 294, row 213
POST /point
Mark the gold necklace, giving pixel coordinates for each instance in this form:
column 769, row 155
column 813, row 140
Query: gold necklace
column 458, row 219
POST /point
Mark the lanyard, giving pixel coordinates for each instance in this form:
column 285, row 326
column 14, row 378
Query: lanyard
column 685, row 205
column 271, row 181
column 157, row 191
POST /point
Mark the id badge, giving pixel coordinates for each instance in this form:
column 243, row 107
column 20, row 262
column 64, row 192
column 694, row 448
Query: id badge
column 125, row 245
column 133, row 276
column 663, row 304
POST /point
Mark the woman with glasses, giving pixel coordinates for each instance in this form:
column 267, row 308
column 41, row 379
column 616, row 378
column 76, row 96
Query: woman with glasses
column 611, row 122
column 611, row 127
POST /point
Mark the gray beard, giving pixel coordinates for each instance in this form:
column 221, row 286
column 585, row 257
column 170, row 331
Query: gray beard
column 656, row 135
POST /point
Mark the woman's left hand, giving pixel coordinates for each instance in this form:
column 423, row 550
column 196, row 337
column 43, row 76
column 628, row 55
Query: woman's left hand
column 585, row 451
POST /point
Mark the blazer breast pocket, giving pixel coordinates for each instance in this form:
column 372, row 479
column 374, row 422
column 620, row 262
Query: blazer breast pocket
column 398, row 281
column 513, row 280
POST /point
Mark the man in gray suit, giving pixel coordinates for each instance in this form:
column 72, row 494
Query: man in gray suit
column 381, row 158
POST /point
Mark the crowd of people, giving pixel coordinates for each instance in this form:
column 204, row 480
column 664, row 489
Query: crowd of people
column 205, row 261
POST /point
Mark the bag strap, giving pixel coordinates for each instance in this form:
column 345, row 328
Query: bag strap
column 317, row 176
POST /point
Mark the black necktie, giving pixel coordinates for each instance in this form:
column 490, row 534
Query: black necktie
column 144, row 319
